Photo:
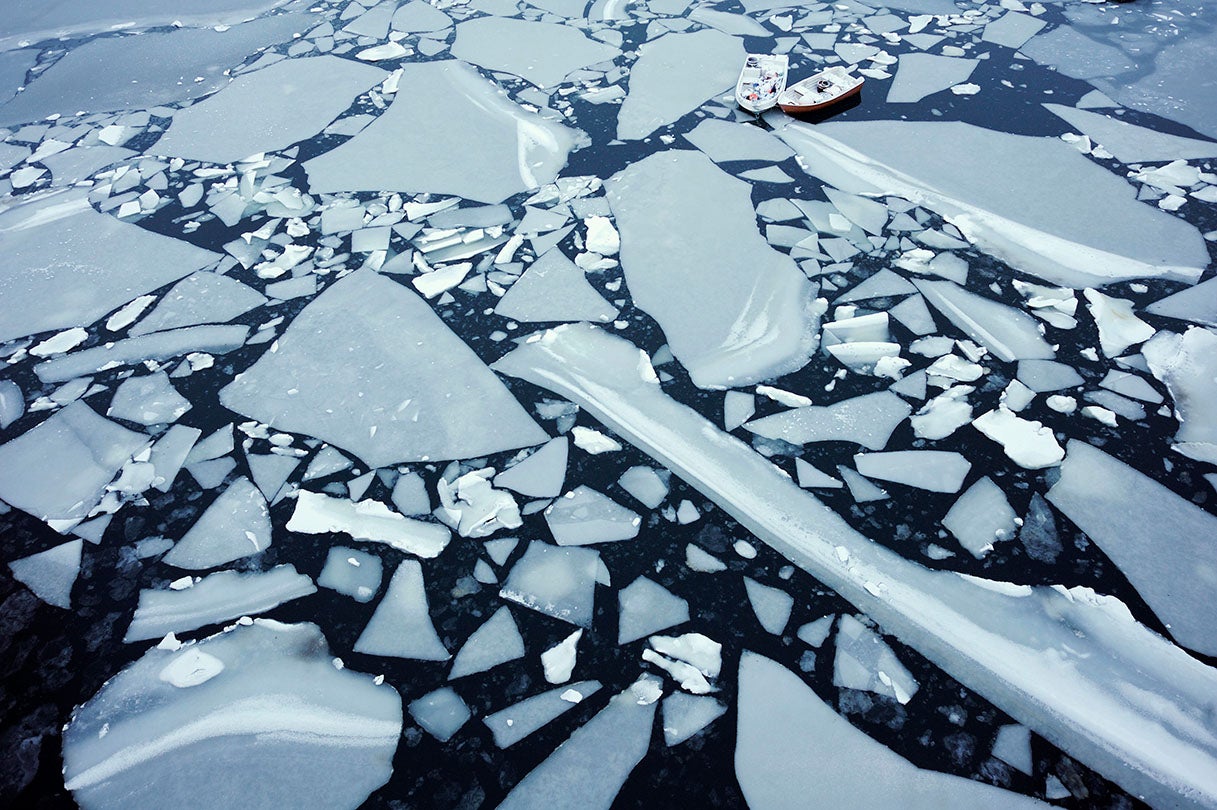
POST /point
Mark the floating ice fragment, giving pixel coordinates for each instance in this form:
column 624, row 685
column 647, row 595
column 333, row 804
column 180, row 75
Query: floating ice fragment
column 584, row 516
column 554, row 289
column 792, row 750
column 267, row 109
column 1161, row 542
column 495, row 642
column 1027, row 443
column 473, row 508
column 218, row 597
column 448, row 131
column 645, row 485
column 724, row 141
column 1087, row 230
column 401, row 626
column 1131, row 143
column 675, row 74
column 559, row 660
column 726, row 327
column 441, row 713
column 944, row 414
column 1008, row 333
column 540, row 475
column 1118, row 327
column 516, row 722
column 1187, row 364
column 1013, row 747
column 933, row 470
column 592, row 441
column 695, row 649
column 317, row 513
column 809, row 477
column 157, row 346
column 261, row 701
column 351, row 572
column 863, row 661
column 148, row 400
column 50, row 574
column 686, row 715
column 1197, row 304
column 772, row 606
column 58, row 470
column 587, row 771
column 541, row 52
column 980, row 517
column 1012, row 29
column 646, row 608
column 235, row 525
column 923, row 74
column 868, row 420
column 559, row 582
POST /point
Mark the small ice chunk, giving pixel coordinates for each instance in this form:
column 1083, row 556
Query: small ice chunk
column 235, row 525
column 944, row 414
column 1027, row 443
column 593, row 442
column 410, row 495
column 738, row 408
column 694, row 649
column 700, row 560
column 170, row 453
column 541, row 474
column 1119, row 328
column 1005, row 331
column 191, row 667
column 921, row 74
column 1042, row 376
column 933, row 470
column 685, row 715
column 1013, row 747
column 554, row 289
column 401, row 626
column 556, row 581
column 516, row 722
column 1187, row 364
column 351, row 572
column 809, row 477
column 50, row 574
column 495, row 642
column 559, row 660
column 724, row 141
column 584, row 516
column 473, row 508
column 981, row 516
column 441, row 713
column 772, row 606
column 814, row 633
column 647, row 607
column 645, row 485
column 867, row 420
column 317, row 513
column 862, row 490
column 863, row 661
column 148, row 400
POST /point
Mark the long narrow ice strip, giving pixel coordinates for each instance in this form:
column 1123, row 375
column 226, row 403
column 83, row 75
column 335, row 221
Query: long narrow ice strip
column 1070, row 664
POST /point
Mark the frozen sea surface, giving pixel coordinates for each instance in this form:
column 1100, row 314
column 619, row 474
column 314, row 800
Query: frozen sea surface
column 464, row 405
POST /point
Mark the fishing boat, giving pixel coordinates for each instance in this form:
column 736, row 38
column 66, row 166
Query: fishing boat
column 761, row 81
column 819, row 91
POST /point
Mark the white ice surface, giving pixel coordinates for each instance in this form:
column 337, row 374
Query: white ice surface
column 867, row 420
column 541, row 52
column 496, row 642
column 559, row 582
column 647, row 607
column 554, row 289
column 980, row 517
column 864, row 661
column 675, row 74
column 793, row 751
column 584, row 516
column 517, row 721
column 934, row 470
column 50, row 574
column 318, row 513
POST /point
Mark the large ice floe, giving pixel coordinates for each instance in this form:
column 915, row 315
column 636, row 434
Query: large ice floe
column 260, row 702
column 1086, row 228
column 451, row 132
column 735, row 311
column 370, row 341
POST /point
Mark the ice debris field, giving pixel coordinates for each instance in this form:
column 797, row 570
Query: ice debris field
column 461, row 404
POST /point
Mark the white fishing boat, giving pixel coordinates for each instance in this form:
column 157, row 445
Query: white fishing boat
column 819, row 91
column 761, row 81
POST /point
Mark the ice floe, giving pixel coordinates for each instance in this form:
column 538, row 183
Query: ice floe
column 367, row 328
column 277, row 718
column 728, row 328
column 401, row 626
column 449, row 132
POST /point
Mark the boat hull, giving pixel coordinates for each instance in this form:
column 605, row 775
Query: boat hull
column 798, row 109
